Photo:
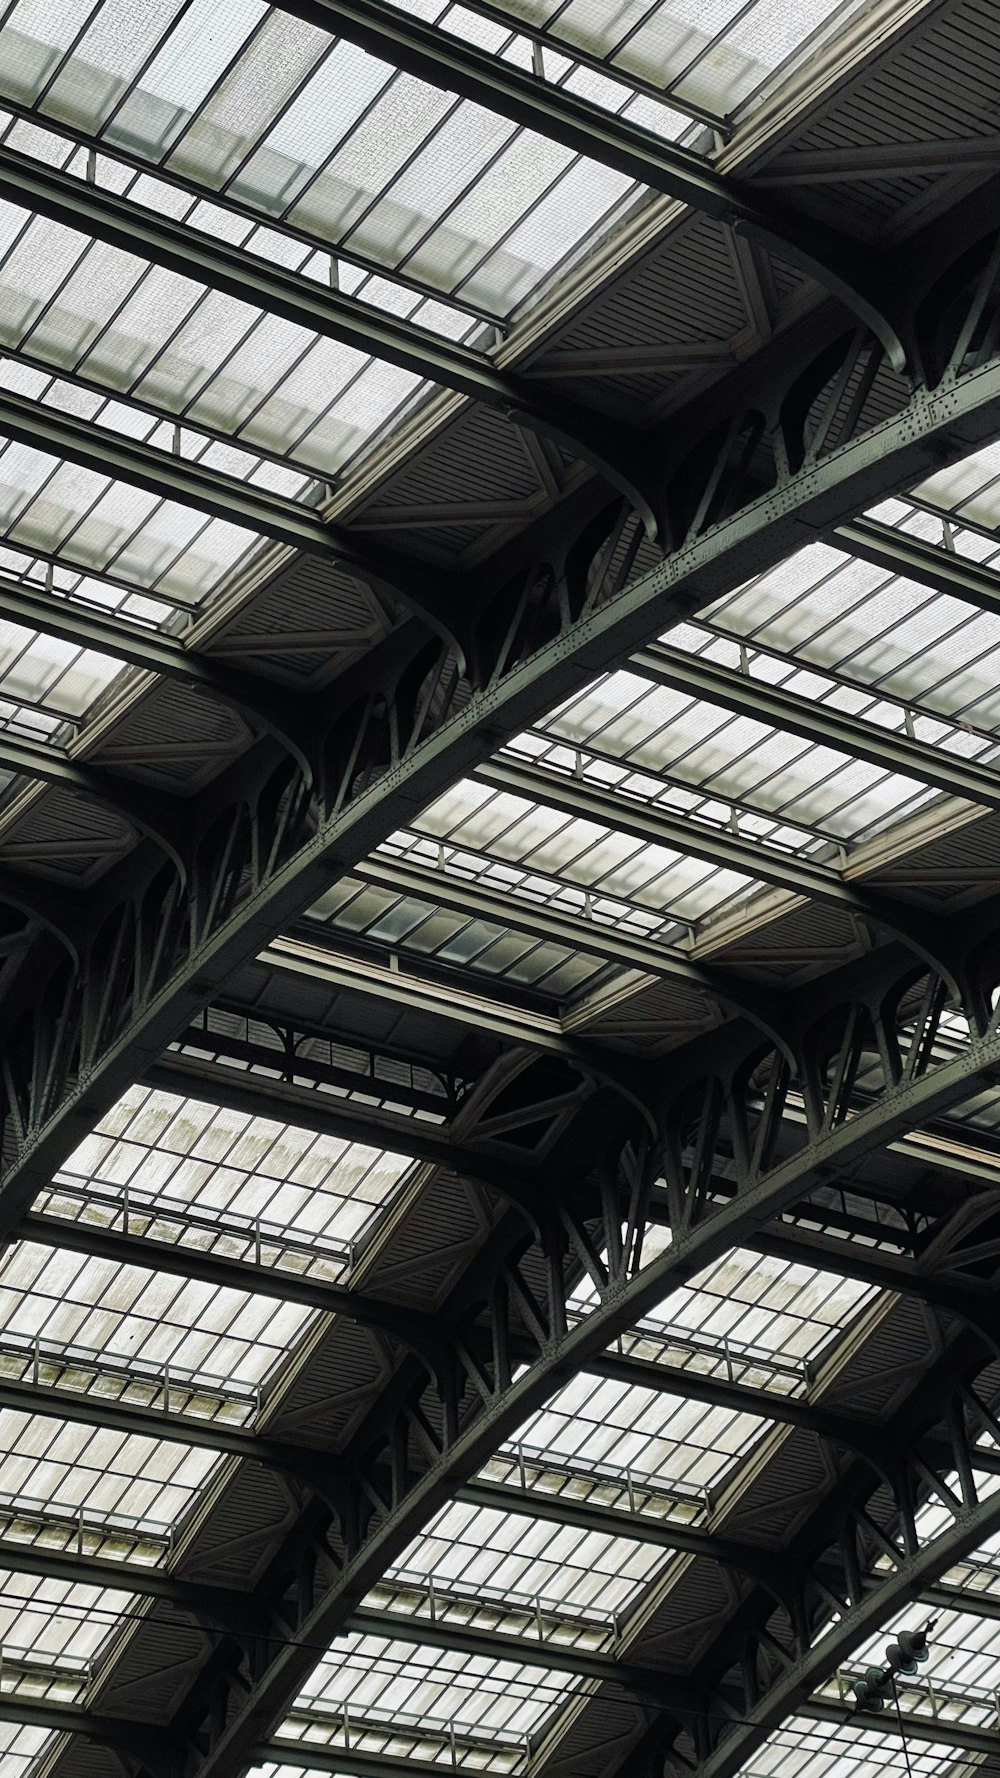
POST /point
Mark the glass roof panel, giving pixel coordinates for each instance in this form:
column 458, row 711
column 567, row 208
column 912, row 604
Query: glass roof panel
column 159, row 1158
column 876, row 629
column 49, row 1623
column 105, row 526
column 519, row 832
column 479, row 1553
column 140, row 331
column 719, row 752
column 387, row 1683
column 602, row 1426
column 959, row 1679
column 105, row 1476
column 20, row 1747
column 327, row 140
column 825, row 1750
column 406, row 923
column 77, row 1312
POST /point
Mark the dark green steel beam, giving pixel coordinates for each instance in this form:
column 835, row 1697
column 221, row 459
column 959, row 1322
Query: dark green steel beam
column 820, row 723
column 611, row 449
column 840, row 265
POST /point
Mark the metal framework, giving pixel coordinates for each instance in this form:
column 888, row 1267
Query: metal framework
column 800, row 1072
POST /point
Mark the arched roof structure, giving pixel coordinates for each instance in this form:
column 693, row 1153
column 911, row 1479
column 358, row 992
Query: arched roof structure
column 499, row 627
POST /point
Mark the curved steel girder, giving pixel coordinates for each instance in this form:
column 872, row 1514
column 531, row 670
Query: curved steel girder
column 957, row 415
column 619, row 1307
column 839, row 264
column 611, row 449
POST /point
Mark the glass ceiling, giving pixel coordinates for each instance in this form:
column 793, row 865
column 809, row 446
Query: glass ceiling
column 256, row 130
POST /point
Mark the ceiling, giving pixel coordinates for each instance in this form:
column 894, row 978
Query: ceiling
column 499, row 815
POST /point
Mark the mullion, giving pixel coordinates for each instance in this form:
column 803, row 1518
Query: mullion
column 130, row 87
column 161, row 416
column 65, row 56
column 796, row 664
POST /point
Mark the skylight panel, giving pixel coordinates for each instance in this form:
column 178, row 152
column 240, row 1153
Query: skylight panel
column 160, row 1156
column 96, row 1311
column 881, row 630
column 605, row 771
column 409, row 923
column 594, row 858
column 381, row 1683
column 959, row 1680
column 826, row 1750
column 48, row 1623
column 106, row 526
column 751, row 1307
column 476, row 1552
column 20, row 1746
column 602, row 1427
column 103, row 1476
column 733, row 756
column 188, row 353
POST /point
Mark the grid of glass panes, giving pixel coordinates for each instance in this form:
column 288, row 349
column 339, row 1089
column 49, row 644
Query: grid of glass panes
column 529, row 836
column 159, row 1152
column 465, row 1700
column 930, row 652
column 713, row 57
column 535, row 887
column 602, row 1427
column 405, row 922
column 479, row 1553
column 305, row 129
column 717, row 752
column 825, row 1750
column 958, row 1681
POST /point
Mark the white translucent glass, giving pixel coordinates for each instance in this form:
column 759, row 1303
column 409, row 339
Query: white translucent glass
column 598, row 1425
column 480, row 1553
column 184, row 1152
column 383, row 1681
column 596, row 858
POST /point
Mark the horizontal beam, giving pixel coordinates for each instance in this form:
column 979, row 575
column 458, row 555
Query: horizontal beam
column 180, row 248
column 160, row 472
column 577, row 933
column 839, row 264
column 694, row 839
column 841, row 165
column 819, row 723
column 943, row 570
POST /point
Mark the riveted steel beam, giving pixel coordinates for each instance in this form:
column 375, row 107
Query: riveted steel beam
column 821, row 723
column 611, row 449
column 845, row 267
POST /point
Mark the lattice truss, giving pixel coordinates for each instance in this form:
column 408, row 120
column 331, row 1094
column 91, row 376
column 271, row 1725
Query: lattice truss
column 499, row 818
